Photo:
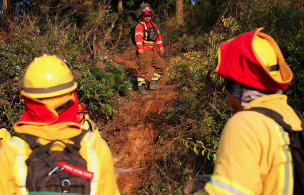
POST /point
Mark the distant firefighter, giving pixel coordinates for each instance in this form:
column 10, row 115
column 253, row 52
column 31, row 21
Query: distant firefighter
column 147, row 36
column 84, row 120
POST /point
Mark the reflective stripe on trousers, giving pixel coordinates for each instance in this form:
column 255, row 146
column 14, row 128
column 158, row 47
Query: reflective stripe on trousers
column 156, row 76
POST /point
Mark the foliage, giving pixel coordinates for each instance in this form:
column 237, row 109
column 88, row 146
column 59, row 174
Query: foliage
column 15, row 55
column 204, row 115
column 100, row 87
column 203, row 14
column 284, row 22
column 206, row 111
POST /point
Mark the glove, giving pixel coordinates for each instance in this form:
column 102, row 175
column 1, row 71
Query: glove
column 193, row 187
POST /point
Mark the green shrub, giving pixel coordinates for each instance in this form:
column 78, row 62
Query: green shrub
column 101, row 87
column 209, row 112
column 98, row 87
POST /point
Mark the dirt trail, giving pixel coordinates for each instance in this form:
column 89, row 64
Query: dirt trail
column 134, row 135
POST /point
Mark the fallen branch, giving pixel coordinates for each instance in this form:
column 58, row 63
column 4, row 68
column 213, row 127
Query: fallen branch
column 165, row 174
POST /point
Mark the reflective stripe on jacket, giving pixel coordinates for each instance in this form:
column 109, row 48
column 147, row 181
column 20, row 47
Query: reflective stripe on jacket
column 140, row 36
column 253, row 155
column 94, row 150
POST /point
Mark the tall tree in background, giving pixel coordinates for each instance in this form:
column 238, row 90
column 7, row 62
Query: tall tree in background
column 4, row 9
column 179, row 12
column 120, row 21
column 157, row 10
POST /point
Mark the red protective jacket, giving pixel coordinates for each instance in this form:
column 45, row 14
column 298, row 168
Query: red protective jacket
column 140, row 36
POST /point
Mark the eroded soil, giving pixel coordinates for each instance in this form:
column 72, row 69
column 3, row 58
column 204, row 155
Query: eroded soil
column 132, row 132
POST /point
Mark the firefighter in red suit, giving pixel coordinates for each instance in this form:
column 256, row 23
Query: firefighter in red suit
column 146, row 37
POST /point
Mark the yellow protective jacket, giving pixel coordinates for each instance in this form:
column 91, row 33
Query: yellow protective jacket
column 253, row 155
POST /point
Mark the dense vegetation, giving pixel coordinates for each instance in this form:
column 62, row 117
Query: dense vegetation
column 83, row 32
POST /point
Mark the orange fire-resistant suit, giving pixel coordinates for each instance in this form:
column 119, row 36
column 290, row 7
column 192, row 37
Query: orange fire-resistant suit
column 150, row 56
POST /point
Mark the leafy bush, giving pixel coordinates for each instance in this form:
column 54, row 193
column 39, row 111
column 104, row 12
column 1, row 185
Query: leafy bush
column 98, row 87
column 209, row 112
column 15, row 55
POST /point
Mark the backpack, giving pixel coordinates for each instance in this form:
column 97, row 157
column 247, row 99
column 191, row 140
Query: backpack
column 152, row 33
column 296, row 145
column 132, row 73
column 43, row 172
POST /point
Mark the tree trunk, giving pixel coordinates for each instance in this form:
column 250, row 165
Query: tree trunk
column 157, row 10
column 4, row 9
column 120, row 21
column 179, row 12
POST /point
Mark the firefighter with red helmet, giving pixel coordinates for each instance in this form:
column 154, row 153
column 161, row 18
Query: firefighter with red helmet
column 147, row 36
column 255, row 154
column 84, row 120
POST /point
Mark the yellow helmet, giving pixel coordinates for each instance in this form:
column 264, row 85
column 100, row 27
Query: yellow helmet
column 48, row 76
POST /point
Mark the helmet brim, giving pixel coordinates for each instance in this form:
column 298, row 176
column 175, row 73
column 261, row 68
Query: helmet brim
column 52, row 94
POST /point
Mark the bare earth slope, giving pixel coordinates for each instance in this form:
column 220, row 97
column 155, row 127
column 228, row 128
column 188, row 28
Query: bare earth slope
column 131, row 132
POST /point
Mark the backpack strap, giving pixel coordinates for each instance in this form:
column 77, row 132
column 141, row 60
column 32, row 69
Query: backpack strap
column 30, row 139
column 145, row 27
column 274, row 115
column 41, row 151
column 296, row 145
column 90, row 125
column 78, row 139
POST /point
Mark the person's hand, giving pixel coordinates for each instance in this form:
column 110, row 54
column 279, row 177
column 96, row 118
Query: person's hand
column 161, row 50
column 141, row 51
column 193, row 187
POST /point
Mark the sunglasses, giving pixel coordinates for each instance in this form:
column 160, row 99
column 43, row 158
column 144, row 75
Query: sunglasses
column 145, row 16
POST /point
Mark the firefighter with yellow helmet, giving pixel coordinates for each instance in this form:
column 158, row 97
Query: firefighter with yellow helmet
column 84, row 120
column 51, row 105
column 253, row 155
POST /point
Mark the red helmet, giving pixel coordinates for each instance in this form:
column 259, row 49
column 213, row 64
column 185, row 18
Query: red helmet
column 147, row 10
column 82, row 108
